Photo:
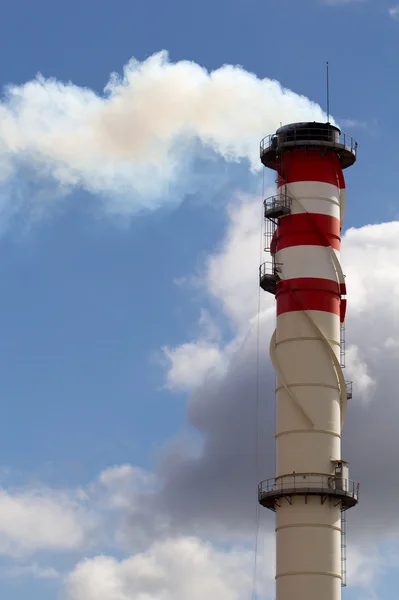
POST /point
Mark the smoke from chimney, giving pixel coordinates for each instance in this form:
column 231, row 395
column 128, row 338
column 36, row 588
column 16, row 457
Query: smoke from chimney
column 138, row 139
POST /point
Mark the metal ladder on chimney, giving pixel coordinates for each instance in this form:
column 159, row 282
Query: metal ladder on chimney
column 343, row 346
column 343, row 548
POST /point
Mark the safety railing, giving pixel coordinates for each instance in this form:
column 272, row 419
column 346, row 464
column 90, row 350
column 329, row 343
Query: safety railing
column 269, row 276
column 308, row 483
column 306, row 137
column 270, row 268
column 349, row 389
column 277, row 206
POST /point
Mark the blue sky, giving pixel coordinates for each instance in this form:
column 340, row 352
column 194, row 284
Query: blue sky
column 95, row 282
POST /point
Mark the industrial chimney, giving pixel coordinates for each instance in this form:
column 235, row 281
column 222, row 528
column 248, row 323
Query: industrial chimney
column 311, row 489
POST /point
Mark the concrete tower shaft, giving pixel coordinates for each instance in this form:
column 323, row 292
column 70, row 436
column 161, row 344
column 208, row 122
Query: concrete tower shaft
column 311, row 487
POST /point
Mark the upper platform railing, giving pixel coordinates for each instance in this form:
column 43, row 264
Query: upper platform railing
column 344, row 144
column 272, row 490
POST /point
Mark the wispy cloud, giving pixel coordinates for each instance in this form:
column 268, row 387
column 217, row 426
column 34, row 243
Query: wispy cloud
column 342, row 2
column 394, row 12
column 30, row 570
column 353, row 123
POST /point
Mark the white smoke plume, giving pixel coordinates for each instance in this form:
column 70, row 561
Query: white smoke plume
column 135, row 142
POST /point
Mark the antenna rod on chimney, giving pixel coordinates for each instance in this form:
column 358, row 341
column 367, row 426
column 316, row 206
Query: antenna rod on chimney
column 328, row 93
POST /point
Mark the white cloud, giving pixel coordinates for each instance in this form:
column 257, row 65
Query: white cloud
column 121, row 496
column 189, row 364
column 173, row 569
column 225, row 409
column 232, row 273
column 123, row 143
column 358, row 372
column 32, row 521
column 394, row 12
column 364, row 565
column 122, row 483
column 135, row 142
column 230, row 277
column 169, row 565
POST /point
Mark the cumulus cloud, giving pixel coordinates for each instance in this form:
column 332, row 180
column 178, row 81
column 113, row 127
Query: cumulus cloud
column 159, row 567
column 364, row 565
column 173, row 569
column 120, row 485
column 358, row 373
column 43, row 521
column 216, row 489
column 231, row 274
column 130, row 145
column 190, row 364
column 119, row 491
column 134, row 143
column 227, row 277
column 169, row 565
column 40, row 520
